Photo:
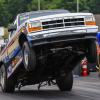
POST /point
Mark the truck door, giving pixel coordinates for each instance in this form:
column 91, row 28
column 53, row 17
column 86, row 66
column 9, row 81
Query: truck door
column 14, row 47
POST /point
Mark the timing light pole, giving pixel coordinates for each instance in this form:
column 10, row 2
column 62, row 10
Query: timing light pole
column 38, row 4
column 77, row 6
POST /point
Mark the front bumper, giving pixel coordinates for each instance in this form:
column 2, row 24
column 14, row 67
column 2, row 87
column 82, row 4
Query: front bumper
column 62, row 35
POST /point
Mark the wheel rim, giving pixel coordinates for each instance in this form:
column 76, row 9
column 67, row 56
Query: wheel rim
column 26, row 56
column 2, row 79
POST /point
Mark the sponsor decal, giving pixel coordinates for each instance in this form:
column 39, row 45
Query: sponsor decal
column 13, row 63
column 24, row 18
column 12, row 68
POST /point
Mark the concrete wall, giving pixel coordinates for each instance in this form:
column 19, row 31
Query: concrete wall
column 1, row 40
column 77, row 70
column 97, row 16
column 1, row 31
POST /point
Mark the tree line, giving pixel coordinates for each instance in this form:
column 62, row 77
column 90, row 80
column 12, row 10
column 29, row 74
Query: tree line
column 10, row 8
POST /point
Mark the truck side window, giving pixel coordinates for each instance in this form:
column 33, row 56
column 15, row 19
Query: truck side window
column 15, row 22
column 12, row 32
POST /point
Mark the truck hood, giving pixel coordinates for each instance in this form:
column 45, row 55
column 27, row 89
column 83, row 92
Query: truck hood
column 60, row 15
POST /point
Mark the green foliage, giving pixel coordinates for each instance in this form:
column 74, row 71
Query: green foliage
column 10, row 8
column 6, row 35
column 33, row 5
column 4, row 15
column 9, row 24
column 17, row 6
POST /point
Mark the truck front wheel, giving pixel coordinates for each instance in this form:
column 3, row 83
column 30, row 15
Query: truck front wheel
column 66, row 82
column 29, row 59
column 7, row 85
column 91, row 51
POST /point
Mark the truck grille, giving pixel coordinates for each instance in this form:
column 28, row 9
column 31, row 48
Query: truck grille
column 62, row 23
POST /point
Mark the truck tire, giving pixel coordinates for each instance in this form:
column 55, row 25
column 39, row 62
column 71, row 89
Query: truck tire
column 91, row 51
column 66, row 82
column 29, row 58
column 7, row 85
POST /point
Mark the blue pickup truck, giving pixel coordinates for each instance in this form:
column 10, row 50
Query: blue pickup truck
column 46, row 46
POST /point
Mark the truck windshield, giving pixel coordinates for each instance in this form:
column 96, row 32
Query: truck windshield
column 28, row 15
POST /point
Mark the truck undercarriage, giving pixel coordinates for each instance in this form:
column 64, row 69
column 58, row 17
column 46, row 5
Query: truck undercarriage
column 53, row 61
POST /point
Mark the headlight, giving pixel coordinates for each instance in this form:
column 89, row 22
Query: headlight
column 34, row 26
column 90, row 20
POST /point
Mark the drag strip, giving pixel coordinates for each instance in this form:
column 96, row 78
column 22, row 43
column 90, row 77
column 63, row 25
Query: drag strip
column 83, row 89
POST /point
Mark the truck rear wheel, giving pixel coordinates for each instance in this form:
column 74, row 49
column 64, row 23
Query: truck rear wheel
column 7, row 85
column 29, row 59
column 91, row 51
column 66, row 83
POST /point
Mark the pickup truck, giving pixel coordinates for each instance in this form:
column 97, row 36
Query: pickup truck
column 45, row 46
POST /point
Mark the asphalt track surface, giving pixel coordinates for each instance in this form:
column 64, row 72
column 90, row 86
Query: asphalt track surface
column 84, row 88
